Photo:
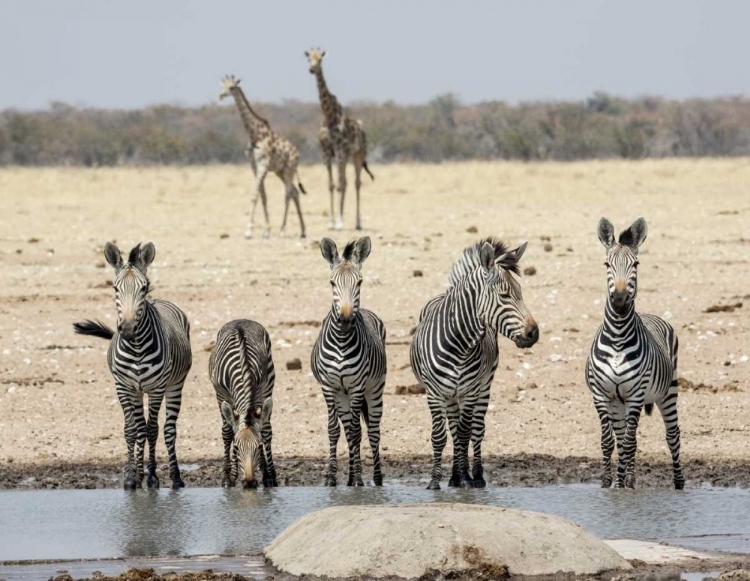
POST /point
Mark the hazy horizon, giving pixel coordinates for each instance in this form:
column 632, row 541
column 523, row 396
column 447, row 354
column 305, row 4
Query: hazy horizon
column 101, row 55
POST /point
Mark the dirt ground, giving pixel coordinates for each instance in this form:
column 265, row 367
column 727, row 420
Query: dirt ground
column 60, row 422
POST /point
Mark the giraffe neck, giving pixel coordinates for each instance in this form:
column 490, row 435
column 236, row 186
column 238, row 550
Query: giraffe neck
column 255, row 125
column 328, row 102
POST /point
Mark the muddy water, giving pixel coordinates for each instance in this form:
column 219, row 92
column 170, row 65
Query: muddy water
column 81, row 524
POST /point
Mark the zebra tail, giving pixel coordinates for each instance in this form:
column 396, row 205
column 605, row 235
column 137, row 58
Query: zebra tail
column 367, row 169
column 649, row 407
column 299, row 184
column 95, row 329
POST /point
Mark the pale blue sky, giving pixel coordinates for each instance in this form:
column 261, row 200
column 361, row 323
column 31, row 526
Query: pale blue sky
column 128, row 54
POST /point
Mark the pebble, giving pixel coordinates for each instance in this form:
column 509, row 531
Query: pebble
column 294, row 364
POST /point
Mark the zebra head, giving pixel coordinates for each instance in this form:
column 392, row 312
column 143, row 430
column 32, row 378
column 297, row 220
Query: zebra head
column 346, row 278
column 622, row 262
column 247, row 438
column 131, row 285
column 501, row 303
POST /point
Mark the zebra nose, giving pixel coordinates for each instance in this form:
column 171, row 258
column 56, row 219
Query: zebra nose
column 619, row 296
column 531, row 333
column 250, row 484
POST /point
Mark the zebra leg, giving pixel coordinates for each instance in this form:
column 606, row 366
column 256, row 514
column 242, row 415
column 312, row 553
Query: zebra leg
column 668, row 409
column 439, row 438
column 477, row 437
column 140, row 437
column 631, row 444
column 464, row 436
column 617, row 413
column 269, row 470
column 353, row 429
column 452, row 413
column 374, row 415
column 130, row 431
column 174, row 401
column 608, row 441
column 334, row 432
column 152, row 432
column 235, row 466
column 227, row 435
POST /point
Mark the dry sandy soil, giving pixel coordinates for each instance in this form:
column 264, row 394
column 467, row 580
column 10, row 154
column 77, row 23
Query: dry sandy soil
column 61, row 425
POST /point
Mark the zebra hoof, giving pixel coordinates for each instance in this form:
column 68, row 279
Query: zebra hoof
column 227, row 483
column 152, row 481
column 454, row 482
column 679, row 484
column 378, row 481
column 359, row 482
column 177, row 484
column 466, row 483
column 330, row 482
column 270, row 483
column 480, row 482
column 433, row 485
column 129, row 484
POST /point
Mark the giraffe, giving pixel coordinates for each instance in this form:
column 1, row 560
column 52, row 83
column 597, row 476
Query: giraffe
column 341, row 138
column 267, row 152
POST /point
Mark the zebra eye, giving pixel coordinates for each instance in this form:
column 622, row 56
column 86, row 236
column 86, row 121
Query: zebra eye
column 607, row 264
column 636, row 263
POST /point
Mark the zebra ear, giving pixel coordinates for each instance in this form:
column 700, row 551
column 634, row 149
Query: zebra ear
column 113, row 256
column 329, row 251
column 606, row 233
column 364, row 245
column 487, row 256
column 635, row 235
column 265, row 415
column 228, row 414
column 146, row 257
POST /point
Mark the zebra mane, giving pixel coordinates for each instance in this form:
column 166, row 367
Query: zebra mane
column 470, row 261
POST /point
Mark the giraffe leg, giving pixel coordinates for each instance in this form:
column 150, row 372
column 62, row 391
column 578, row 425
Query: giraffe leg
column 295, row 199
column 342, row 193
column 357, row 184
column 256, row 193
column 288, row 188
column 331, row 189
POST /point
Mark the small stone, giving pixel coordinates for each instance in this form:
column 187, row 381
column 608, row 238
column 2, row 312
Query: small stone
column 548, row 247
column 400, row 390
column 472, row 230
column 417, row 273
column 294, row 364
column 33, row 240
column 416, row 389
column 223, row 235
column 100, row 264
column 529, row 271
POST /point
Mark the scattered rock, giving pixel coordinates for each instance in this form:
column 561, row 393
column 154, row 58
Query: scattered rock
column 723, row 308
column 472, row 230
column 417, row 273
column 545, row 238
column 19, row 251
column 416, row 389
column 100, row 264
column 736, row 575
column 151, row 575
column 224, row 235
column 34, row 240
column 529, row 271
column 548, row 247
column 294, row 364
column 310, row 323
column 687, row 385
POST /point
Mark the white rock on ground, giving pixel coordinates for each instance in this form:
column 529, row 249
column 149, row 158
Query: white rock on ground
column 409, row 540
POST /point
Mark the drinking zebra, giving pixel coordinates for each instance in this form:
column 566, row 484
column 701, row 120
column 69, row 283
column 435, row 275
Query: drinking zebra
column 633, row 362
column 454, row 351
column 242, row 372
column 348, row 360
column 149, row 354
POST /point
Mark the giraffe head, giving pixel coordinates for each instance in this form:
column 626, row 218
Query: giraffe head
column 315, row 58
column 228, row 84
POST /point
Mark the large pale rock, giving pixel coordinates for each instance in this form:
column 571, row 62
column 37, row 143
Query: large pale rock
column 409, row 540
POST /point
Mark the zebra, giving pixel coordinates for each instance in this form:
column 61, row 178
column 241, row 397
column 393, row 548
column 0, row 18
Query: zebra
column 454, row 350
column 633, row 362
column 242, row 372
column 348, row 360
column 148, row 354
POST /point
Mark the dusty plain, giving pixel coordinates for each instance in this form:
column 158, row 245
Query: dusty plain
column 60, row 422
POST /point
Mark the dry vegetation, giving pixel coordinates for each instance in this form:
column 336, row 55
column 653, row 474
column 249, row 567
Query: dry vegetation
column 57, row 400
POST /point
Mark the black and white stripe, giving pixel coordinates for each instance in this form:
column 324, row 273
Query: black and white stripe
column 633, row 362
column 348, row 360
column 454, row 351
column 242, row 372
column 149, row 354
